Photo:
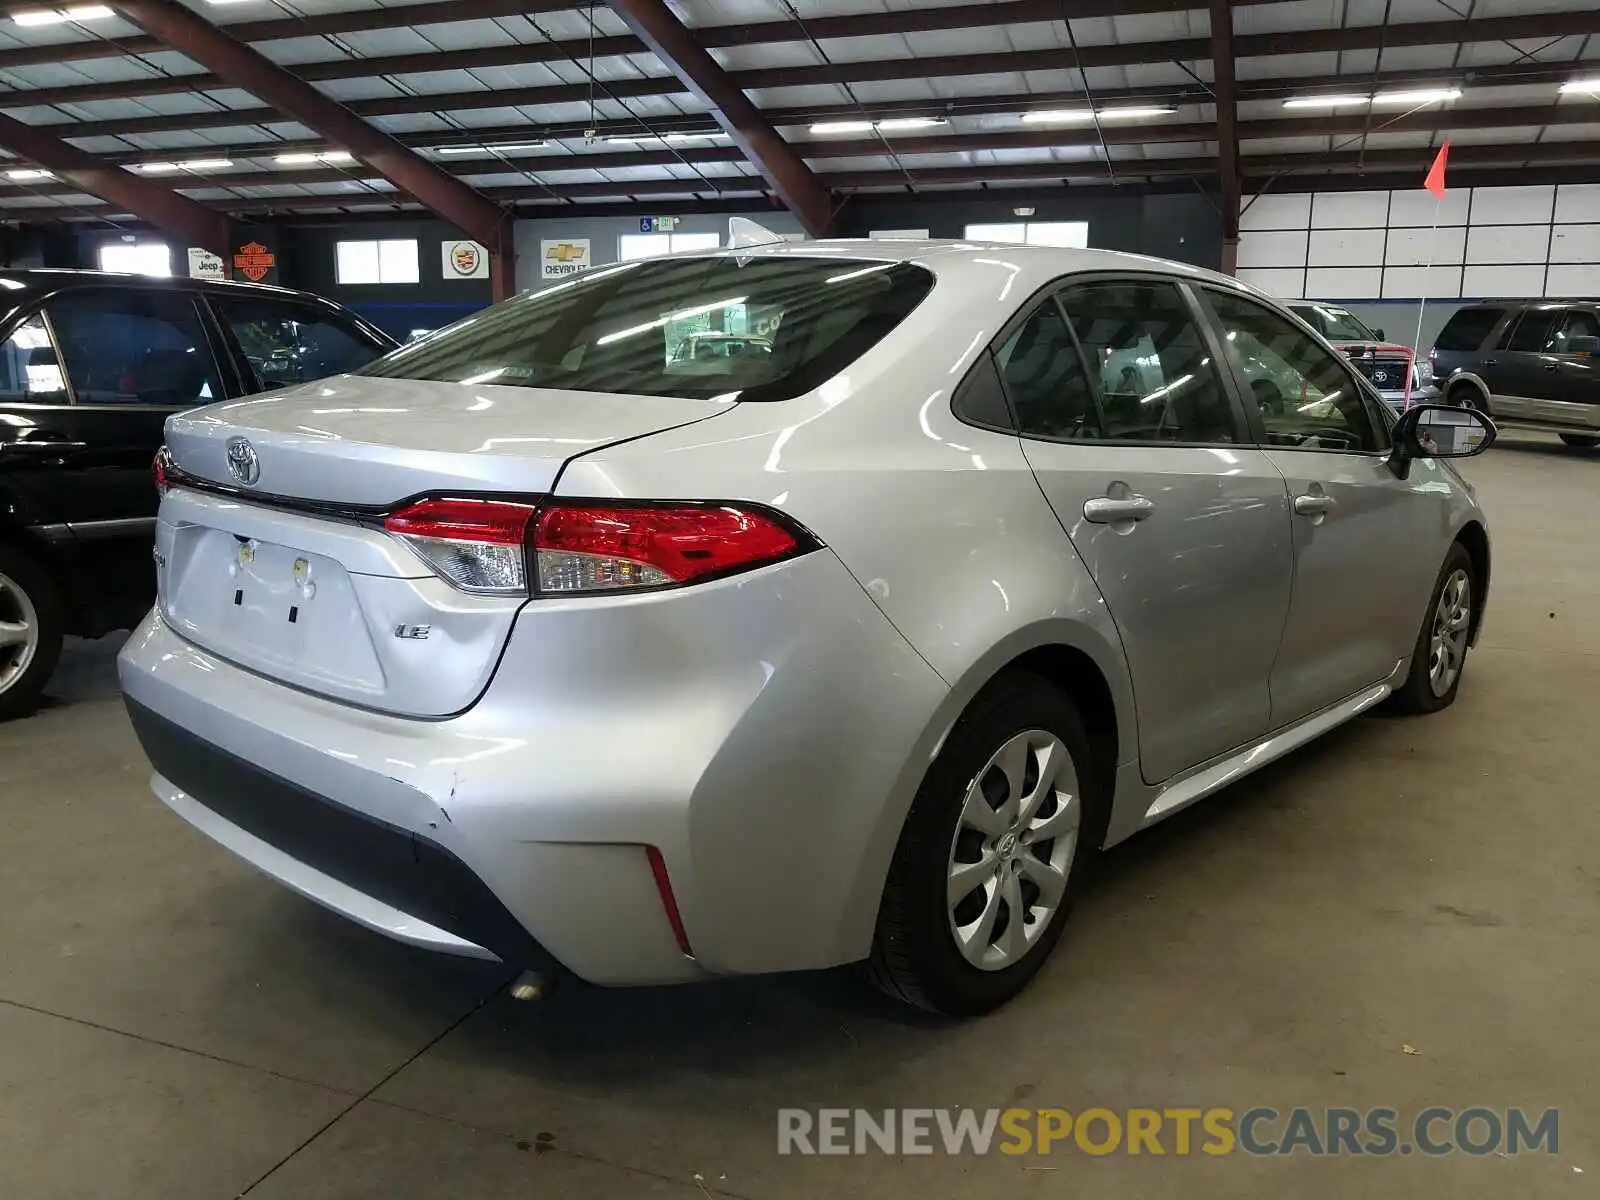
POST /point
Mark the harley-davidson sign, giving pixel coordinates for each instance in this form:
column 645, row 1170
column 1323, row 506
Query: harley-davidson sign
column 254, row 261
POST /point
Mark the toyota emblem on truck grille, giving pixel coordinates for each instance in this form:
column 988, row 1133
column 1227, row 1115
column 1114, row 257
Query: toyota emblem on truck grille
column 243, row 464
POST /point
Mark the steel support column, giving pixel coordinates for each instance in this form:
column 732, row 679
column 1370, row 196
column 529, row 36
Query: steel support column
column 1227, row 101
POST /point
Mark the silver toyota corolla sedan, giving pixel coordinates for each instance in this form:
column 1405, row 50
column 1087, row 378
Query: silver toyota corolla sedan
column 538, row 640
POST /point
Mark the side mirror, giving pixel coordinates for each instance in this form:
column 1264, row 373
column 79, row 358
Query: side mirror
column 1381, row 336
column 1586, row 345
column 1439, row 431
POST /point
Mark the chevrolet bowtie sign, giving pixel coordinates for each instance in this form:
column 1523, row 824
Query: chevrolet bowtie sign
column 558, row 259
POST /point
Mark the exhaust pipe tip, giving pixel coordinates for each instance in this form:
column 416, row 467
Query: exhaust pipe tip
column 531, row 986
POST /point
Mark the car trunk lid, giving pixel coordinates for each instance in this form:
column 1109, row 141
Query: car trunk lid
column 292, row 574
column 363, row 441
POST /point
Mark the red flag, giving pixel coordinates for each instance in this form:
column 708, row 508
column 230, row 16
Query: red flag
column 1435, row 181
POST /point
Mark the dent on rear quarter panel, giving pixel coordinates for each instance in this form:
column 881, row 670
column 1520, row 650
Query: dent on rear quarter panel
column 942, row 524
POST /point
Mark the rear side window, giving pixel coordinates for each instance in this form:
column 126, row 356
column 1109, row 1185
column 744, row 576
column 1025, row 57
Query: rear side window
column 287, row 343
column 980, row 400
column 1156, row 380
column 30, row 372
column 1579, row 322
column 134, row 347
column 1468, row 328
column 799, row 322
column 1045, row 379
column 1535, row 330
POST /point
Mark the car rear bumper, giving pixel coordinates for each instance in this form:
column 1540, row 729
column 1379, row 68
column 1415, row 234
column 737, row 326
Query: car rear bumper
column 384, row 877
column 761, row 732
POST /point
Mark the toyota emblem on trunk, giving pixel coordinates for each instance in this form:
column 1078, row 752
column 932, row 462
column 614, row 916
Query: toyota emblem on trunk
column 243, row 464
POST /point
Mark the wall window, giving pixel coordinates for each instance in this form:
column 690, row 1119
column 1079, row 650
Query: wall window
column 137, row 258
column 631, row 246
column 1072, row 234
column 390, row 261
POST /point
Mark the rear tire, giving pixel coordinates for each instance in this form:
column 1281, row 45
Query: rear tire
column 32, row 623
column 1018, row 765
column 1581, row 441
column 1467, row 395
column 1439, row 659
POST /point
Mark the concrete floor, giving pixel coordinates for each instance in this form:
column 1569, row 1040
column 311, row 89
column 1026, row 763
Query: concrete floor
column 173, row 1026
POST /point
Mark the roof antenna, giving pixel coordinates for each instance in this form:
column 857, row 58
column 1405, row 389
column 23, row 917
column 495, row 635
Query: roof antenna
column 742, row 231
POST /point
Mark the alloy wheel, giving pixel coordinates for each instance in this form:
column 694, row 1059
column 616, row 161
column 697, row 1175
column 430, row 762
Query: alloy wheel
column 1013, row 849
column 1452, row 620
column 19, row 632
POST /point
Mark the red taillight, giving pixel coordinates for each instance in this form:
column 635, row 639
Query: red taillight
column 580, row 548
column 599, row 548
column 478, row 545
column 658, row 868
column 496, row 522
column 161, row 470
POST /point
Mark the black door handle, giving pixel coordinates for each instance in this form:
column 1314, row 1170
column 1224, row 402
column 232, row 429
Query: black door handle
column 1552, row 366
column 1489, row 362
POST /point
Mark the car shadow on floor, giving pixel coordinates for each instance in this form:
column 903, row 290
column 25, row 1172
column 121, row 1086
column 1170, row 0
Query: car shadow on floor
column 1522, row 442
column 87, row 672
column 832, row 1024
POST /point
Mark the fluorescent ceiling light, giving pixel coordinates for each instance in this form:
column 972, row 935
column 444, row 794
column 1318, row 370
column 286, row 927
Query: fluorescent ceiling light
column 23, row 174
column 1419, row 96
column 1057, row 116
column 309, row 157
column 622, row 139
column 1133, row 114
column 508, row 148
column 894, row 124
column 887, row 125
column 1327, row 101
column 1582, row 87
column 1063, row 116
column 55, row 16
column 193, row 164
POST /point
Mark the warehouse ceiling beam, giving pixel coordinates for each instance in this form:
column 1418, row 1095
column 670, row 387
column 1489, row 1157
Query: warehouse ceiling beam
column 933, row 20
column 1542, row 163
column 1433, row 120
column 671, row 42
column 364, row 20
column 1426, row 33
column 242, row 66
column 1511, row 75
column 188, row 220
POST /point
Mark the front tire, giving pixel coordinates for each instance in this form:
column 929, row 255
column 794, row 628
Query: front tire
column 992, row 854
column 1581, row 441
column 1440, row 657
column 31, row 628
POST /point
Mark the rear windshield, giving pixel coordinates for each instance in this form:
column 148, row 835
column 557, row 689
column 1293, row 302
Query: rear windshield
column 1335, row 324
column 764, row 328
column 1467, row 329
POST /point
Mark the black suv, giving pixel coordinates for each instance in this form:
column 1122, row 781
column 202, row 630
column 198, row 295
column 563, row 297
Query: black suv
column 1531, row 363
column 91, row 365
